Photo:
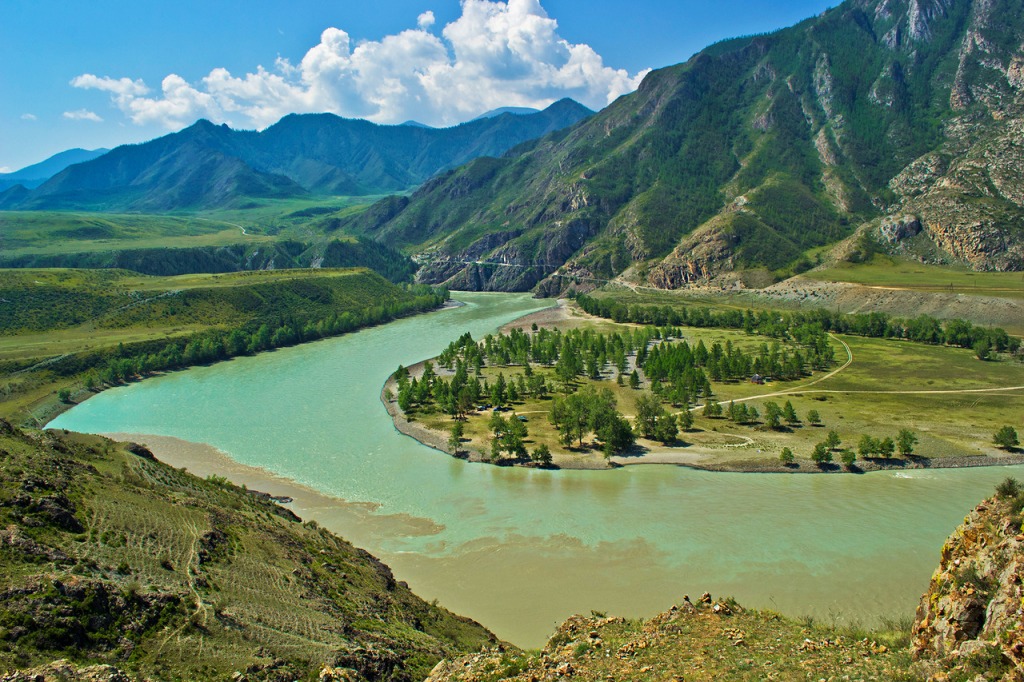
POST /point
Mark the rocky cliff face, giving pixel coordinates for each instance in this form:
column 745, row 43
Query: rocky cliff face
column 972, row 617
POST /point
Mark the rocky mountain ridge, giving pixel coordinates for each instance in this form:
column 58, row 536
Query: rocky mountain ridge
column 755, row 153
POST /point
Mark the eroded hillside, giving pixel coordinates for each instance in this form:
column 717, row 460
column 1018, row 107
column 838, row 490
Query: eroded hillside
column 108, row 556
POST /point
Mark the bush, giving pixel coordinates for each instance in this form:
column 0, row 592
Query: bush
column 1009, row 488
column 1006, row 438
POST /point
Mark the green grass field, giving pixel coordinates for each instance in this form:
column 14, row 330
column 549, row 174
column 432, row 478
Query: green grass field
column 26, row 233
column 895, row 273
column 297, row 218
column 50, row 232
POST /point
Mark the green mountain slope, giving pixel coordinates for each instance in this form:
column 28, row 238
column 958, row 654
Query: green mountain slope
column 207, row 166
column 109, row 556
column 36, row 174
column 749, row 155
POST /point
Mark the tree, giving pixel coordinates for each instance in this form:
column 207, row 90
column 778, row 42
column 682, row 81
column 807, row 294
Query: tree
column 455, row 437
column 982, row 349
column 567, row 367
column 786, row 457
column 1009, row 488
column 772, row 415
column 886, row 447
column 905, row 441
column 832, row 440
column 814, row 418
column 685, row 420
column 789, row 414
column 821, row 454
column 541, row 455
column 616, row 434
column 499, row 391
column 848, row 457
column 712, row 409
column 1006, row 438
column 634, row 380
column 666, row 428
column 648, row 409
column 867, row 446
column 405, row 398
column 513, row 440
column 64, row 395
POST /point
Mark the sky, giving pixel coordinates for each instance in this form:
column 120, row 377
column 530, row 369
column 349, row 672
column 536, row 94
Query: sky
column 109, row 72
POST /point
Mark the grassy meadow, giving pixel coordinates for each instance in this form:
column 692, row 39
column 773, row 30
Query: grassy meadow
column 895, row 273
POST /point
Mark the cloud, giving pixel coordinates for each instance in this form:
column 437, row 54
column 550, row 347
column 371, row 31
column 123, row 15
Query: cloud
column 83, row 115
column 122, row 87
column 29, row 117
column 5, row 169
column 497, row 53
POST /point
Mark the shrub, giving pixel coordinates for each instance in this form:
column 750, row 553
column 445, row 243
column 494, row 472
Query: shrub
column 1009, row 488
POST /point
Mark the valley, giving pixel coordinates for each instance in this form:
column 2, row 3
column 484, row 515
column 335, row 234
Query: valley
column 720, row 355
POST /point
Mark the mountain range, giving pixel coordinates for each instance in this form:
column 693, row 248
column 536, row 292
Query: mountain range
column 884, row 123
column 211, row 166
column 32, row 176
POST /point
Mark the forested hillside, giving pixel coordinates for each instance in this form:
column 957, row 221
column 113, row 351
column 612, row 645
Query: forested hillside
column 78, row 331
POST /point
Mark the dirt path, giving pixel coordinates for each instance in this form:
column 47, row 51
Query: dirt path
column 804, row 387
column 209, row 220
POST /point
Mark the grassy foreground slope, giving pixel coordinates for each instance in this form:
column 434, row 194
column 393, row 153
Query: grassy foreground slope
column 79, row 330
column 109, row 556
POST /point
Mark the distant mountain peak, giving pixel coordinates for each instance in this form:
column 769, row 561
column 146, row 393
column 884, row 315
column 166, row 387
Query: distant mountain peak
column 32, row 176
column 515, row 111
column 207, row 165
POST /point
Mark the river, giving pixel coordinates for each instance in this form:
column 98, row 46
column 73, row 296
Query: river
column 519, row 550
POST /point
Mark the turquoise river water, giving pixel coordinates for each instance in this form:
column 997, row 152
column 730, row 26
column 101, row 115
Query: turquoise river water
column 518, row 549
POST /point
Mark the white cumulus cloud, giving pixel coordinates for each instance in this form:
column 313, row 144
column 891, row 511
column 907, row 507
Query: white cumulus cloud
column 83, row 115
column 497, row 53
column 29, row 117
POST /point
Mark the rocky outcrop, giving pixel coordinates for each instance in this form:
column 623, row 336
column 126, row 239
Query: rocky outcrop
column 969, row 195
column 897, row 228
column 972, row 612
column 65, row 671
column 700, row 258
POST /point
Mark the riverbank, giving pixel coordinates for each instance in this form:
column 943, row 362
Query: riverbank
column 359, row 522
column 42, row 404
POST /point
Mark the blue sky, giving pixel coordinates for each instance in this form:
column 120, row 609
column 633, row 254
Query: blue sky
column 109, row 72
